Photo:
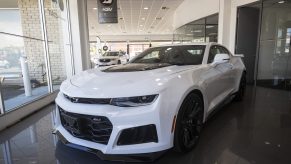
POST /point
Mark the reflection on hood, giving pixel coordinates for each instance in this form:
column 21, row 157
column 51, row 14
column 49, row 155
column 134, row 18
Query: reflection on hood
column 132, row 67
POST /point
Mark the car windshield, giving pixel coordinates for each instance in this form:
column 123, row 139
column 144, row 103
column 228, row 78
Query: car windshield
column 111, row 54
column 174, row 55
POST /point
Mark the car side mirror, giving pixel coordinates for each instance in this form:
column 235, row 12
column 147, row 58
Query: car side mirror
column 220, row 58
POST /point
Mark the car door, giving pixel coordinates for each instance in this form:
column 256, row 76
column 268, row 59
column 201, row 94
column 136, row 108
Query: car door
column 218, row 78
column 229, row 69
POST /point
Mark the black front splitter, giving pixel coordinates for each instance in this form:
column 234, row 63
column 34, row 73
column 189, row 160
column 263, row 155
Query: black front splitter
column 145, row 157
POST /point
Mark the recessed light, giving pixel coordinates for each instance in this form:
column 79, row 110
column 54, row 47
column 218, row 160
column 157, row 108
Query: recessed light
column 142, row 18
column 209, row 26
column 95, row 8
column 281, row 2
column 146, row 8
column 140, row 25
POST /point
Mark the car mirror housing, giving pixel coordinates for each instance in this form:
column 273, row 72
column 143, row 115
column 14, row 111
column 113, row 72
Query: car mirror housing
column 220, row 58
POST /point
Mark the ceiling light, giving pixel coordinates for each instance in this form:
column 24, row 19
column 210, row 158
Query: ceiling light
column 141, row 25
column 146, row 8
column 95, row 8
column 142, row 18
column 165, row 8
column 197, row 31
column 281, row 2
column 209, row 26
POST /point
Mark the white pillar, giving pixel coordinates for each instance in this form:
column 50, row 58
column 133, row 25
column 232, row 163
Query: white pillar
column 224, row 22
column 80, row 35
column 25, row 74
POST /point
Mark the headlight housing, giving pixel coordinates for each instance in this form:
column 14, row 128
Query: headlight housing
column 134, row 101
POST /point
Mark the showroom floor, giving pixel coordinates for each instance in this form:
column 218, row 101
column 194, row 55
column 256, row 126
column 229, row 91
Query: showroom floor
column 255, row 131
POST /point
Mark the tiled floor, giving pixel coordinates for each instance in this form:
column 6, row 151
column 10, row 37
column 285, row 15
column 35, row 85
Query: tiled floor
column 255, row 131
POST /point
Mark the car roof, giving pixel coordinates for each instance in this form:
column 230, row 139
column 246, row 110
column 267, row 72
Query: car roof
column 188, row 44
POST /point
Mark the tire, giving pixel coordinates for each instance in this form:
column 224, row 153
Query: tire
column 189, row 123
column 242, row 87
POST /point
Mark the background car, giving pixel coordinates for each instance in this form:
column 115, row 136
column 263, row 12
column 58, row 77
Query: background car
column 157, row 101
column 4, row 64
column 112, row 58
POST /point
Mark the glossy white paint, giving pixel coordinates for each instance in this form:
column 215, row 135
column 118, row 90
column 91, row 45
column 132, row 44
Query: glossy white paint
column 173, row 84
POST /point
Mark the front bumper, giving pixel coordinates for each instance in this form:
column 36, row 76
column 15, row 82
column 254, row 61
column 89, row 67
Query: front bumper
column 121, row 119
column 112, row 62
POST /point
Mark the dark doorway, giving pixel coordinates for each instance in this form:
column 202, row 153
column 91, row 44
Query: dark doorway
column 247, row 38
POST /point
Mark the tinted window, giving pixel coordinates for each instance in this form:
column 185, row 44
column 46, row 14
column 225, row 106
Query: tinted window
column 212, row 52
column 223, row 50
column 176, row 55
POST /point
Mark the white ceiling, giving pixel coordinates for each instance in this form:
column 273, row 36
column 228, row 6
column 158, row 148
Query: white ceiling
column 133, row 19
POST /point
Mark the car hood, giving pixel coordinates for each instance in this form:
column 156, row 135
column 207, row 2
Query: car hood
column 101, row 83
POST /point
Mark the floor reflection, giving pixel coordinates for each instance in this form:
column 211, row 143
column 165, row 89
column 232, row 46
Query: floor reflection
column 257, row 130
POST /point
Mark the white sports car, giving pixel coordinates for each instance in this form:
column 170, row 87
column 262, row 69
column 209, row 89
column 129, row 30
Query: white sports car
column 157, row 101
column 112, row 58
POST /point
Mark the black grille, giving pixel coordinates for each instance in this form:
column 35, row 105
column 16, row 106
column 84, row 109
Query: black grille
column 87, row 100
column 92, row 128
column 104, row 60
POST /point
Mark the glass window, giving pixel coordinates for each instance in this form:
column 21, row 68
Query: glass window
column 274, row 65
column 22, row 57
column 180, row 55
column 212, row 52
column 22, row 53
column 223, row 50
column 202, row 30
column 59, row 43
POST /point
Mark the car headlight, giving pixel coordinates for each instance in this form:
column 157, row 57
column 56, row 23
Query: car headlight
column 134, row 101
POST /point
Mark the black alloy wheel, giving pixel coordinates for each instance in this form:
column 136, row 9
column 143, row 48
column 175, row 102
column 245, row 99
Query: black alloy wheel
column 189, row 123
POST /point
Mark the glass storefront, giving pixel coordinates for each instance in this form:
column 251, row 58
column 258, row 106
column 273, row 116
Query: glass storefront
column 25, row 66
column 202, row 30
column 274, row 64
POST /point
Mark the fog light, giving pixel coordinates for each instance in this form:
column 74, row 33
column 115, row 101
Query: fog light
column 138, row 135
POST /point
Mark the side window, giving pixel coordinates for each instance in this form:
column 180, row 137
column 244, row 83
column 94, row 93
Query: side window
column 193, row 54
column 223, row 50
column 212, row 52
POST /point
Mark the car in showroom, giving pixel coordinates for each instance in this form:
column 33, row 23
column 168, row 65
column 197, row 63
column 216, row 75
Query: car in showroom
column 4, row 64
column 112, row 58
column 158, row 101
